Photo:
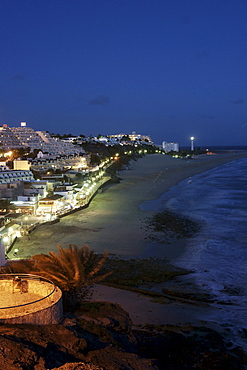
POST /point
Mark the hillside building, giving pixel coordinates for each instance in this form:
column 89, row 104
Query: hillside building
column 23, row 136
column 133, row 137
column 170, row 147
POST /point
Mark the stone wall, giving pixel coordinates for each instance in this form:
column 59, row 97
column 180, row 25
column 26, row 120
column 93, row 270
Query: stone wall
column 29, row 302
column 46, row 316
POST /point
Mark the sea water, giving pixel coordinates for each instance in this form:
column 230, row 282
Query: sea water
column 218, row 254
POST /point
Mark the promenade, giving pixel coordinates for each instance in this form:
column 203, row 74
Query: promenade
column 22, row 226
column 114, row 221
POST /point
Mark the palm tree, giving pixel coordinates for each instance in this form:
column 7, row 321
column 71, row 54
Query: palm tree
column 5, row 204
column 74, row 270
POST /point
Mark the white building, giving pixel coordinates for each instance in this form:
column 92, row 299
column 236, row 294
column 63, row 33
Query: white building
column 23, row 136
column 8, row 139
column 21, row 165
column 12, row 183
column 26, row 204
column 170, row 147
column 134, row 137
column 11, row 176
column 52, row 205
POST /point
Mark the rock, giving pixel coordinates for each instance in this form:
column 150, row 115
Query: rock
column 78, row 366
column 115, row 359
column 101, row 338
column 38, row 347
column 15, row 354
column 106, row 314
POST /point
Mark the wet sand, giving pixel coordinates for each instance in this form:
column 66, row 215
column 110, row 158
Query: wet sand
column 114, row 221
column 143, row 311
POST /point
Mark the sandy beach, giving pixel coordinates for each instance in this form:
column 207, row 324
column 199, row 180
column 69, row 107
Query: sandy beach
column 114, row 221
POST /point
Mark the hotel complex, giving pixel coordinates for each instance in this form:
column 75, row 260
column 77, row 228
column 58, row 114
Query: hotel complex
column 170, row 147
column 55, row 179
column 23, row 136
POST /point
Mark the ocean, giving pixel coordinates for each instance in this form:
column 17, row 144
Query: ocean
column 220, row 149
column 218, row 254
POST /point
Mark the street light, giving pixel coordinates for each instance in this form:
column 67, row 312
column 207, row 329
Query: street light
column 15, row 252
column 25, row 224
column 192, row 143
column 2, row 254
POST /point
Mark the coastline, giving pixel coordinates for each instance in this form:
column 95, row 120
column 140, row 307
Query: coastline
column 114, row 220
column 217, row 315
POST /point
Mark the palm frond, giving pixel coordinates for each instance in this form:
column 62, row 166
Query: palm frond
column 79, row 267
column 85, row 254
column 57, row 279
column 98, row 278
column 99, row 264
column 62, row 261
column 71, row 269
column 22, row 266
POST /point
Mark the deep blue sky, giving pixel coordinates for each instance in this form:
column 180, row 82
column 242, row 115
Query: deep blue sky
column 167, row 68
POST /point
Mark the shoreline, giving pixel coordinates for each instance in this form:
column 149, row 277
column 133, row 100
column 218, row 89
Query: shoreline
column 142, row 310
column 114, row 220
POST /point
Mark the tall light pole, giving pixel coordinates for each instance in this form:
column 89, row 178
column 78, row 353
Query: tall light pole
column 2, row 254
column 192, row 143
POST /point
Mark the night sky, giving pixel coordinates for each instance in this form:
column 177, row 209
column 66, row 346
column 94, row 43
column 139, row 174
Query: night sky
column 170, row 69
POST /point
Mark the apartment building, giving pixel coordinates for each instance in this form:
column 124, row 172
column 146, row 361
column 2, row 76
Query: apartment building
column 10, row 176
column 170, row 147
column 12, row 183
column 8, row 139
column 133, row 137
column 23, row 136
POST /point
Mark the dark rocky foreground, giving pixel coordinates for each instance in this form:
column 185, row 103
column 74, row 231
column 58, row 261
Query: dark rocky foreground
column 101, row 336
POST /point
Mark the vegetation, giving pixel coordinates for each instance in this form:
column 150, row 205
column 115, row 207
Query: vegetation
column 141, row 275
column 187, row 153
column 74, row 270
column 63, row 136
column 99, row 151
column 135, row 272
column 5, row 205
column 169, row 225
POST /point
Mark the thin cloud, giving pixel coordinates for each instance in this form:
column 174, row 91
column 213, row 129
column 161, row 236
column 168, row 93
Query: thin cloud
column 203, row 54
column 206, row 116
column 18, row 77
column 238, row 101
column 170, row 115
column 100, row 100
column 186, row 19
